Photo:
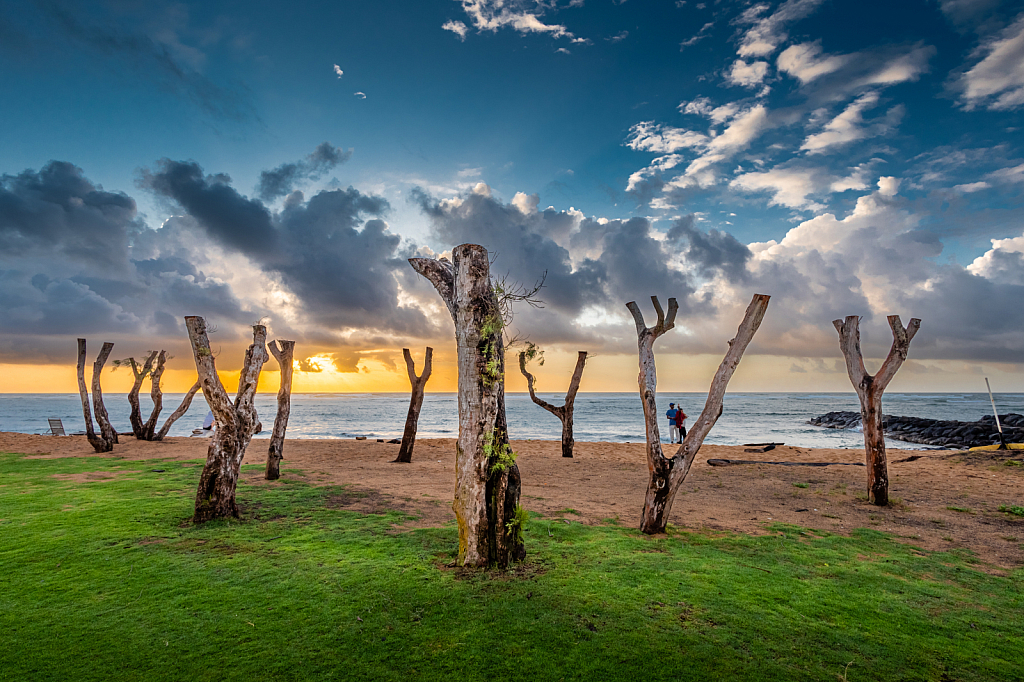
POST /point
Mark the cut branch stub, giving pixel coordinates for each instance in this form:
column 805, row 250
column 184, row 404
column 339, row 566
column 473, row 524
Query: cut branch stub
column 869, row 392
column 236, row 422
column 487, row 479
column 565, row 411
column 275, row 453
column 668, row 474
column 415, row 402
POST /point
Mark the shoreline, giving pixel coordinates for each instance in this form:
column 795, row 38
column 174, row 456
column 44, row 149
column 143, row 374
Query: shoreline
column 942, row 500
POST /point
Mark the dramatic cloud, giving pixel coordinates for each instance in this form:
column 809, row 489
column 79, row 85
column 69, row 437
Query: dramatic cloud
column 997, row 80
column 277, row 183
column 768, row 32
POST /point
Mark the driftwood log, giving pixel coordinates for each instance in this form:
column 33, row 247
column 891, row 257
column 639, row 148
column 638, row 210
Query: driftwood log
column 275, row 453
column 563, row 412
column 487, row 484
column 99, row 443
column 869, row 391
column 415, row 402
column 139, row 375
column 236, row 422
column 667, row 474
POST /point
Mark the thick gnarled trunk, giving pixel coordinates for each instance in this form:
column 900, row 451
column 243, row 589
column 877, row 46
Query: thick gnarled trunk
column 869, row 391
column 488, row 485
column 275, row 453
column 138, row 428
column 107, row 431
column 236, row 423
column 667, row 474
column 564, row 412
column 415, row 402
column 99, row 443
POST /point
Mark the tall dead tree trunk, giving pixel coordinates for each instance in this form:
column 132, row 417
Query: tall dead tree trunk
column 186, row 402
column 107, row 431
column 156, row 395
column 98, row 443
column 138, row 429
column 488, row 484
column 869, row 390
column 667, row 474
column 284, row 356
column 415, row 402
column 564, row 412
column 236, row 423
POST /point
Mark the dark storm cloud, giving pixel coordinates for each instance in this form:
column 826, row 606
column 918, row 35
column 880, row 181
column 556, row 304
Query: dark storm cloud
column 235, row 221
column 57, row 208
column 280, row 181
column 712, row 250
column 155, row 60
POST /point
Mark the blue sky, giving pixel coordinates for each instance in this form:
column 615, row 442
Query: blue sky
column 861, row 154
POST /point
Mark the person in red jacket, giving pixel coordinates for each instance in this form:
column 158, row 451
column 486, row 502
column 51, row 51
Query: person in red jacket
column 681, row 423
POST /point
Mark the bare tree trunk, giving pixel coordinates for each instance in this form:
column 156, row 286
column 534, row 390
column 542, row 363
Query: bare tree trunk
column 415, row 402
column 98, row 443
column 186, row 402
column 275, row 453
column 668, row 474
column 564, row 412
column 133, row 395
column 106, row 430
column 869, row 390
column 236, row 423
column 488, row 484
column 157, row 396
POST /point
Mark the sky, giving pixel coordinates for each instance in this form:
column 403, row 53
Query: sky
column 261, row 162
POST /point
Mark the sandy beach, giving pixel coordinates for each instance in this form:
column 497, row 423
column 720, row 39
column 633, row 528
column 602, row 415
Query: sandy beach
column 942, row 500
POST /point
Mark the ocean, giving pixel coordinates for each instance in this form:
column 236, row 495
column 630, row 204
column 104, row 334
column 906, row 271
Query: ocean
column 614, row 417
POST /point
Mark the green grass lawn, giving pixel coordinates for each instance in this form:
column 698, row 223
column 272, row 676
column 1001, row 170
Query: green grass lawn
column 108, row 581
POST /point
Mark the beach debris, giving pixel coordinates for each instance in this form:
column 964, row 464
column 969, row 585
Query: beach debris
column 761, row 447
column 104, row 442
column 869, row 390
column 728, row 462
column 237, row 422
column 564, row 412
column 275, row 451
column 488, row 483
column 667, row 474
column 395, row 441
column 415, row 402
column 360, row 437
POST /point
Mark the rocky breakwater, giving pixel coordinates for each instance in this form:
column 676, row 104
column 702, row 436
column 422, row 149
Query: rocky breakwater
column 935, row 432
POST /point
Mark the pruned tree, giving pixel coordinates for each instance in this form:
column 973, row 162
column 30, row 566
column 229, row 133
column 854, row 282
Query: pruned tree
column 135, row 417
column 869, row 391
column 284, row 356
column 415, row 402
column 668, row 473
column 156, row 395
column 488, row 484
column 563, row 412
column 236, row 422
column 104, row 442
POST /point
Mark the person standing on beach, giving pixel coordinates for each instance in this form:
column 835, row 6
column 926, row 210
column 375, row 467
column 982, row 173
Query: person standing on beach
column 673, row 430
column 681, row 423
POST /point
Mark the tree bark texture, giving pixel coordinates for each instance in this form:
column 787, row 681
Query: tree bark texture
column 156, row 395
column 565, row 411
column 236, row 423
column 135, row 417
column 186, row 402
column 667, row 474
column 107, row 431
column 487, row 477
column 415, row 402
column 98, row 443
column 284, row 356
column 869, row 391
